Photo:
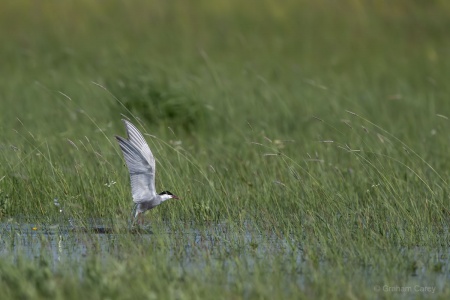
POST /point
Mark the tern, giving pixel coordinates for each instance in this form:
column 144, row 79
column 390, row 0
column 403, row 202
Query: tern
column 141, row 166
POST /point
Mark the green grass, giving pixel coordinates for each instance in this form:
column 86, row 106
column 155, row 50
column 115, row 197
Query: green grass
column 308, row 140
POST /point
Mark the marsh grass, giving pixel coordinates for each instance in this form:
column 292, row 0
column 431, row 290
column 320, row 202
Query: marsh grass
column 310, row 149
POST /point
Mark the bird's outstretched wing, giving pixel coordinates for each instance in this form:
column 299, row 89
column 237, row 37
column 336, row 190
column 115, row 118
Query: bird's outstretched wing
column 140, row 163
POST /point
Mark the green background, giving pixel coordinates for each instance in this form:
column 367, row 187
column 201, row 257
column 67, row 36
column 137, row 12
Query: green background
column 308, row 140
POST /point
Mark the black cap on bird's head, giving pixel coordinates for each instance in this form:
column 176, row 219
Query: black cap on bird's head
column 169, row 193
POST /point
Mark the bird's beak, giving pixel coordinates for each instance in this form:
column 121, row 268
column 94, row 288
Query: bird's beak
column 175, row 197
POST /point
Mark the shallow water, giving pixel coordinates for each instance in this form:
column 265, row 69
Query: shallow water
column 189, row 248
column 69, row 242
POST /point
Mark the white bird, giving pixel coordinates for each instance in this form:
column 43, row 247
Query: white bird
column 141, row 165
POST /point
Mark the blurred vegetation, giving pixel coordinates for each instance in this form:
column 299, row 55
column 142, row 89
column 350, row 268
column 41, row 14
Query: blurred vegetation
column 155, row 100
column 323, row 124
column 177, row 61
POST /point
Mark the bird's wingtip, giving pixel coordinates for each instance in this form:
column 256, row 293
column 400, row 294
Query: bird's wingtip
column 119, row 138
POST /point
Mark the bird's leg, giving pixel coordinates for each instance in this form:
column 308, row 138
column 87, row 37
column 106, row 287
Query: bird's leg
column 140, row 219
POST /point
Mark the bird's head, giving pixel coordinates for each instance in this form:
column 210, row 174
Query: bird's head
column 166, row 195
